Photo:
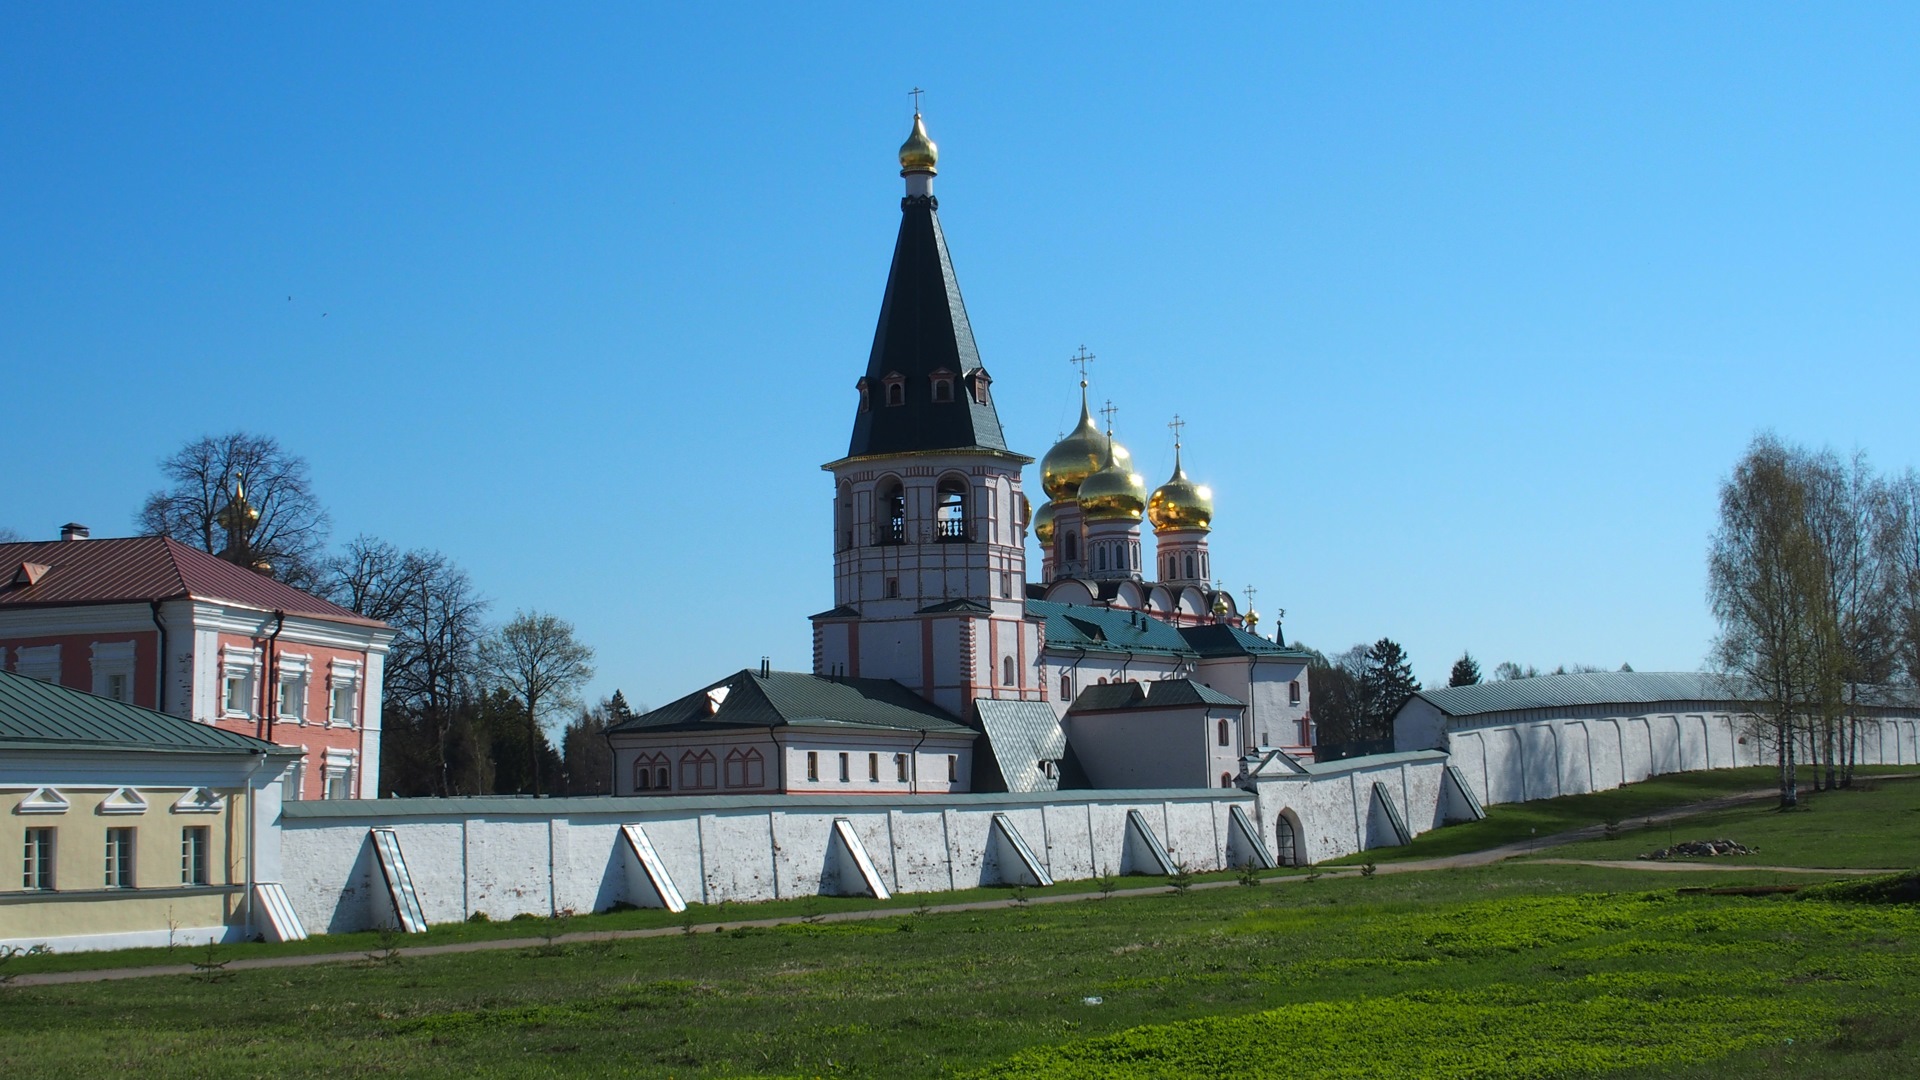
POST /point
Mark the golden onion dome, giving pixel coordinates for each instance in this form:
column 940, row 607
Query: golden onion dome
column 1114, row 493
column 918, row 154
column 1180, row 503
column 1222, row 606
column 1043, row 524
column 238, row 514
column 1078, row 456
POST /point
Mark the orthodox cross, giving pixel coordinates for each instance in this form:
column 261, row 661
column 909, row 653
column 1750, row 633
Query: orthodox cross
column 915, row 95
column 1250, row 591
column 1080, row 360
column 1177, row 427
column 1106, row 413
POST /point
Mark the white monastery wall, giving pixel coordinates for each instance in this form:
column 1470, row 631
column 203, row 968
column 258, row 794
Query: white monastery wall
column 1331, row 805
column 556, row 854
column 1546, row 757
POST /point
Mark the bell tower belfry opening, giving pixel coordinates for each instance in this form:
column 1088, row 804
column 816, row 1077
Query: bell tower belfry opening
column 929, row 564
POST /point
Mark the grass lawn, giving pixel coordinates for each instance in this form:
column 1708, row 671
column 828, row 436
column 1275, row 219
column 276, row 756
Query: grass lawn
column 1516, row 823
column 1875, row 823
column 1516, row 970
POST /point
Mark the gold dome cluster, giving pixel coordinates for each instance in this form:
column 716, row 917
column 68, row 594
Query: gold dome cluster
column 1115, row 492
column 1180, row 503
column 918, row 153
column 1078, row 456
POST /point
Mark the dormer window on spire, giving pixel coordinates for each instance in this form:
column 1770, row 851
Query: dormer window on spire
column 866, row 393
column 980, row 380
column 896, row 385
column 942, row 385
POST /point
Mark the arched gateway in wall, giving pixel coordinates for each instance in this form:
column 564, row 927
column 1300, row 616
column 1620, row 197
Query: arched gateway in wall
column 1287, row 847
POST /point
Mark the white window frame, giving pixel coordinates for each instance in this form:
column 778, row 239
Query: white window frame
column 196, row 855
column 343, row 675
column 291, row 780
column 122, row 851
column 340, row 766
column 40, row 852
column 293, row 671
column 38, row 662
column 242, row 664
column 113, row 660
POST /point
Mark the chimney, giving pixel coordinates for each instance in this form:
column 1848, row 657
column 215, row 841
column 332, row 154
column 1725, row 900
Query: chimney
column 73, row 530
column 766, row 666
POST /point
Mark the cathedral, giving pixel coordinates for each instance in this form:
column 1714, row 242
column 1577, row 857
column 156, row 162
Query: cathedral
column 941, row 665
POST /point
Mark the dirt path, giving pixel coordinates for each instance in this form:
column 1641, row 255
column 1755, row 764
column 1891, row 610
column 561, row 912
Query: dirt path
column 1469, row 859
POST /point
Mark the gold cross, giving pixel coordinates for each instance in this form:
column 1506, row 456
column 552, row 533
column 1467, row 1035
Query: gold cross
column 1178, row 426
column 1107, row 411
column 1250, row 591
column 915, row 95
column 1080, row 360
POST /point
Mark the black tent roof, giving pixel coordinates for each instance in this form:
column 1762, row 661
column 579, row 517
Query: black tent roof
column 923, row 329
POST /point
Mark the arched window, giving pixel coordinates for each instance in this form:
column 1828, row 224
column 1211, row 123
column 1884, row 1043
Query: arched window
column 891, row 525
column 942, row 387
column 1006, row 671
column 1066, row 688
column 745, row 769
column 1222, row 733
column 698, row 771
column 1070, row 546
column 896, row 393
column 650, row 773
column 1226, row 779
column 1189, row 566
column 950, row 510
column 866, row 395
column 1100, row 558
column 843, row 516
column 1287, row 847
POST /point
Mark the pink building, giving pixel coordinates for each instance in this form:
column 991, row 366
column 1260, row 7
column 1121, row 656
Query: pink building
column 154, row 623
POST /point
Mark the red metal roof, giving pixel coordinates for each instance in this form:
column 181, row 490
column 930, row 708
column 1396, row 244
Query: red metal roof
column 147, row 568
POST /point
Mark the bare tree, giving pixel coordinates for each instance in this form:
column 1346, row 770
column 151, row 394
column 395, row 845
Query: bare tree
column 1851, row 521
column 292, row 526
column 1763, row 584
column 1903, row 557
column 9, row 536
column 432, row 667
column 536, row 658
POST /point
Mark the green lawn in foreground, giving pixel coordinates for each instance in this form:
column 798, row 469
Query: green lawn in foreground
column 1875, row 823
column 1510, row 971
column 1517, row 823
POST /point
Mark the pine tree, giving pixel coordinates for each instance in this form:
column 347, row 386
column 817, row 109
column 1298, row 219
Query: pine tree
column 1466, row 671
column 1386, row 683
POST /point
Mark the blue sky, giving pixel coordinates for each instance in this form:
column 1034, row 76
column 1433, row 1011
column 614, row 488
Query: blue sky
column 1470, row 307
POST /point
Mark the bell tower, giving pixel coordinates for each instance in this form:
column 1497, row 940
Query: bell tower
column 929, row 522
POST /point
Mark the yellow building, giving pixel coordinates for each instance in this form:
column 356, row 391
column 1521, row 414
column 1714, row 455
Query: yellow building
column 131, row 827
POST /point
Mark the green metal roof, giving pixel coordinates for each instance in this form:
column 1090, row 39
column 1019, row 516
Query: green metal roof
column 1219, row 639
column 1104, row 629
column 1595, row 688
column 783, row 698
column 1572, row 691
column 1099, row 629
column 1155, row 694
column 44, row 716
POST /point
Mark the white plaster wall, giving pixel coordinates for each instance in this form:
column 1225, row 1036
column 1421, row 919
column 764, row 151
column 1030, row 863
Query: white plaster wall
column 1547, row 758
column 569, row 854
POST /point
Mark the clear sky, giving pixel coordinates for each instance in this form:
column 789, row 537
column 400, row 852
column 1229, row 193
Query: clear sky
column 1470, row 306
